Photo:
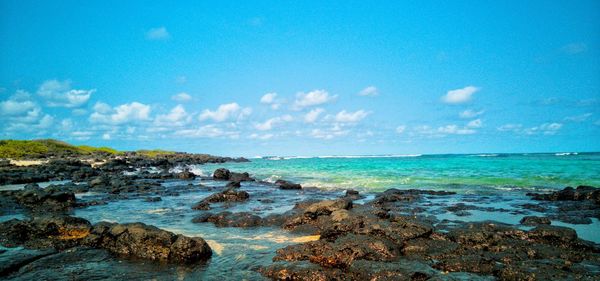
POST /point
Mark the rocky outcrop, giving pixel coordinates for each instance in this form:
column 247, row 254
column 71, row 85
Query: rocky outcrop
column 572, row 205
column 533, row 220
column 38, row 199
column 59, row 169
column 221, row 174
column 231, row 194
column 580, row 193
column 135, row 239
column 186, row 175
column 283, row 184
column 228, row 195
column 373, row 234
column 229, row 219
column 226, row 175
column 58, row 232
column 147, row 242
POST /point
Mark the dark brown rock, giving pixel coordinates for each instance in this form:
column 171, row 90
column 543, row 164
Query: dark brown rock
column 283, row 184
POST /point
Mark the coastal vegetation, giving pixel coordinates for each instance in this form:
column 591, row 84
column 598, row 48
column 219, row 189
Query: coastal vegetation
column 50, row 148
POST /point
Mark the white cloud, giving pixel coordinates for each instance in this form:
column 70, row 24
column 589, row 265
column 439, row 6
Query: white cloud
column 370, row 91
column 327, row 134
column 207, row 131
column 469, row 113
column 313, row 98
column 579, row 118
column 66, row 124
column 455, row 130
column 101, row 107
column 57, row 93
column 268, row 98
column 313, row 115
column 350, row 117
column 159, row 33
column 400, row 129
column 270, row 123
column 477, row 123
column 82, row 135
column 181, row 97
column 121, row 114
column 442, row 131
column 176, row 117
column 106, row 136
column 510, row 127
column 30, row 117
column 271, row 99
column 574, row 48
column 15, row 108
column 459, row 95
column 46, row 122
column 79, row 111
column 20, row 114
column 261, row 137
column 545, row 129
column 225, row 112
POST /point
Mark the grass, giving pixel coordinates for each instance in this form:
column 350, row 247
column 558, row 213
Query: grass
column 154, row 152
column 35, row 149
column 31, row 149
column 103, row 149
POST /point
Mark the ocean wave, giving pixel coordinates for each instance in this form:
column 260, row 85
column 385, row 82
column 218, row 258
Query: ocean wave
column 484, row 155
column 371, row 156
column 192, row 168
column 277, row 158
column 565, row 153
column 272, row 178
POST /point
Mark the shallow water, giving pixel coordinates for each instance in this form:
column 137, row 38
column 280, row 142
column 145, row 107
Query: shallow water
column 494, row 184
column 468, row 173
column 238, row 252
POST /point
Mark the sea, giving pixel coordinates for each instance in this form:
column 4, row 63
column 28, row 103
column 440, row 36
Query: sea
column 497, row 183
column 462, row 173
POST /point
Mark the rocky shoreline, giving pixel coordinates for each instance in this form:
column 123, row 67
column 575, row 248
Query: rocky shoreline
column 393, row 235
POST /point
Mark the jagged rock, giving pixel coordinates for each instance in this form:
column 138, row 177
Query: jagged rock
column 233, row 184
column 237, row 177
column 221, row 174
column 148, row 242
column 532, row 220
column 229, row 219
column 186, row 175
column 202, row 205
column 228, row 195
column 134, row 239
column 283, row 184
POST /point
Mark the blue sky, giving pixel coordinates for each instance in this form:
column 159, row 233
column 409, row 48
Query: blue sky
column 303, row 77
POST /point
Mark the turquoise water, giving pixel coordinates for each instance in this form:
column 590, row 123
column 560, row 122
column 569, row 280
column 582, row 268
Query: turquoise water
column 473, row 173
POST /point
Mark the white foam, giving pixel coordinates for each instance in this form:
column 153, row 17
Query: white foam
column 371, row 156
column 565, row 153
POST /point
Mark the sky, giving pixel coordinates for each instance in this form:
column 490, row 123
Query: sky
column 246, row 78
